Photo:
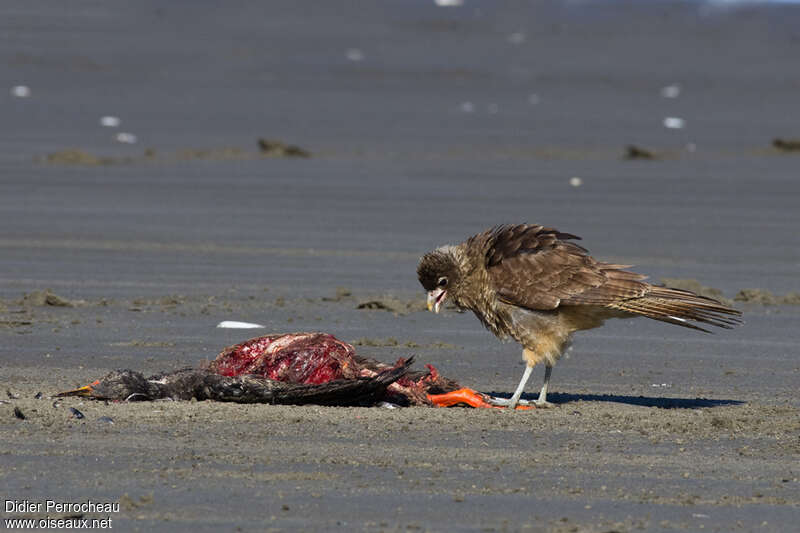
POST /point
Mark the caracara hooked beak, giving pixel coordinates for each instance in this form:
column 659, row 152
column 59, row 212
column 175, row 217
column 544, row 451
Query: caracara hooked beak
column 438, row 274
column 435, row 299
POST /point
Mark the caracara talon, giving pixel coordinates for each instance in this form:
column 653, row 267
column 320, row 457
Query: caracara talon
column 506, row 402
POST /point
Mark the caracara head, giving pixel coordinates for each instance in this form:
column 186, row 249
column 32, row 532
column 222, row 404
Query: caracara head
column 440, row 275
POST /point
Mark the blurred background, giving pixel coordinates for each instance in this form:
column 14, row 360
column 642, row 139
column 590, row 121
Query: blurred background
column 133, row 128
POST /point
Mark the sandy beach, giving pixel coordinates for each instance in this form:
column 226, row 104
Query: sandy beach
column 390, row 128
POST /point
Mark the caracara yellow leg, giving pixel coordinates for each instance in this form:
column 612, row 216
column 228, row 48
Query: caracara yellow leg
column 541, row 401
column 512, row 403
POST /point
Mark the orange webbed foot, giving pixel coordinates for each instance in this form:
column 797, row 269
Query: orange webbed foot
column 468, row 397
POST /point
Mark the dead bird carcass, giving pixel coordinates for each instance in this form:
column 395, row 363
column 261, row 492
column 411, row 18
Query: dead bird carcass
column 293, row 368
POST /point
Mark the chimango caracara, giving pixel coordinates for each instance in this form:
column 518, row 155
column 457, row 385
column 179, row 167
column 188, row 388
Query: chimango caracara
column 532, row 284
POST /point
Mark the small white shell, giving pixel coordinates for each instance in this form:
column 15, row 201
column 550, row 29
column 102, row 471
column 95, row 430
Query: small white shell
column 674, row 123
column 21, row 91
column 671, row 91
column 232, row 324
column 516, row 38
column 110, row 121
column 126, row 138
column 354, row 54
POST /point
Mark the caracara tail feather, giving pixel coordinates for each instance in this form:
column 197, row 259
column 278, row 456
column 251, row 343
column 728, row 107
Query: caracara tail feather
column 679, row 307
column 613, row 271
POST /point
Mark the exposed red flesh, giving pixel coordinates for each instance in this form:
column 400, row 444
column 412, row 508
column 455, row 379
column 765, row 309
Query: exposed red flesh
column 316, row 358
column 305, row 358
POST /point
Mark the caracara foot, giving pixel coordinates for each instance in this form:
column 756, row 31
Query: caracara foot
column 506, row 402
column 543, row 404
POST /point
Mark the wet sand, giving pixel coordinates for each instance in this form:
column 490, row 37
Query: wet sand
column 656, row 428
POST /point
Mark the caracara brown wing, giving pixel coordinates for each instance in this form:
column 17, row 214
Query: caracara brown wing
column 538, row 268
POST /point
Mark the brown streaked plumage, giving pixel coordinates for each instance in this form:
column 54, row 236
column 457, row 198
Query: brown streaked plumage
column 535, row 285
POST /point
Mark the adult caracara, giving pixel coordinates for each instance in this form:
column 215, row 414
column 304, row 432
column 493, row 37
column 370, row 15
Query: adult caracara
column 532, row 284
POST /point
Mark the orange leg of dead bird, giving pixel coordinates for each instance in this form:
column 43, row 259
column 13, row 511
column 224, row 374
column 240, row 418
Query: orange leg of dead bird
column 465, row 396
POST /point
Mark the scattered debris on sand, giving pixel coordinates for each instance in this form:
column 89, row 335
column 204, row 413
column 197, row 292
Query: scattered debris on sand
column 757, row 296
column 394, row 305
column 442, row 345
column 129, row 504
column 764, row 297
column 391, row 341
column 165, row 301
column 786, row 145
column 45, row 298
column 267, row 149
column 215, row 154
column 635, row 152
column 273, row 148
column 15, row 323
column 791, row 298
column 696, row 287
column 80, row 157
column 367, row 341
column 342, row 293
column 19, row 414
column 751, row 296
column 144, row 344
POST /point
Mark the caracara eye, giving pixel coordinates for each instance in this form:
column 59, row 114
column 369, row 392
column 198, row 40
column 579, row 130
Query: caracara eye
column 442, row 282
